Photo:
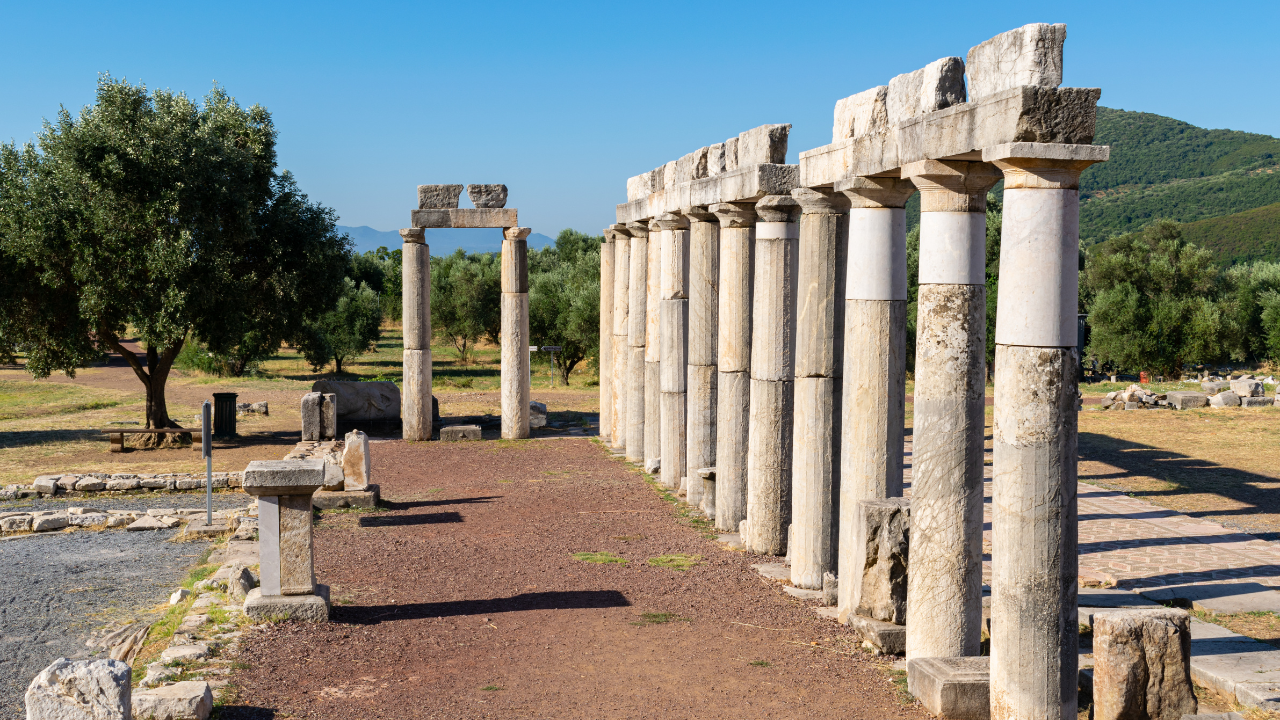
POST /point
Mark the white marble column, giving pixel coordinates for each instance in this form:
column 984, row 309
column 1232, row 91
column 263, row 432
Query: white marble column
column 621, row 330
column 653, row 349
column 733, row 361
column 515, row 333
column 604, row 356
column 636, row 331
column 415, row 414
column 673, row 345
column 704, row 292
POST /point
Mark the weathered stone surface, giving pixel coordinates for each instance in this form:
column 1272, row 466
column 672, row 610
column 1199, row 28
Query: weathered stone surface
column 414, row 236
column 307, row 608
column 885, row 637
column 188, row 700
column 955, row 688
column 80, row 690
column 362, row 401
column 46, row 484
column 356, row 466
column 1247, row 388
column 1254, row 402
column 283, row 477
column 417, row 416
column 1142, row 665
column 15, row 523
column 195, row 651
column 487, row 196
column 455, row 433
column 239, row 581
column 147, row 522
column 438, row 196
column 87, row 519
column 48, row 523
column 1029, row 55
column 329, row 416
column 866, row 113
column 882, row 543
column 133, row 484
column 764, row 144
column 297, row 574
column 1213, row 387
column 311, row 403
column 537, row 414
column 936, row 86
column 367, row 498
column 90, row 484
column 1225, row 398
column 1186, row 399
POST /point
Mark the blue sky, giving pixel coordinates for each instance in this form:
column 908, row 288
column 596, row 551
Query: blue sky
column 562, row 102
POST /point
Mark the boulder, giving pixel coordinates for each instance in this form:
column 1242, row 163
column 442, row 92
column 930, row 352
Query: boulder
column 1247, row 387
column 488, row 196
column 1225, row 398
column 80, row 690
column 240, row 582
column 882, row 539
column 356, row 468
column 147, row 522
column 1142, row 665
column 189, row 700
column 363, row 401
column 537, row 414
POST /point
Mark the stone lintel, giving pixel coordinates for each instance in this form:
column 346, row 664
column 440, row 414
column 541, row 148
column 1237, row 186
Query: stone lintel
column 465, row 218
column 413, row 235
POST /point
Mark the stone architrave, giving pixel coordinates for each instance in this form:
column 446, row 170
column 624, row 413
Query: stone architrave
column 944, row 606
column 80, row 690
column 673, row 311
column 769, row 431
column 606, row 336
column 415, row 410
column 1142, row 665
column 356, row 466
column 284, row 489
column 515, row 333
column 1034, row 657
column 733, row 361
column 704, row 273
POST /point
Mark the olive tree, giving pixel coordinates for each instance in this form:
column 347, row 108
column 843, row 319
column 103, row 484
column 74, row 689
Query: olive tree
column 564, row 299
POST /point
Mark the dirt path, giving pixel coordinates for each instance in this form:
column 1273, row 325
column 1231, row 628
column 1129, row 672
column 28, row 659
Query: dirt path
column 463, row 601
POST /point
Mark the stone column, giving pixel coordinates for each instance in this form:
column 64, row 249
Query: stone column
column 704, row 291
column 772, row 376
column 673, row 348
column 875, row 348
column 638, row 288
column 819, row 360
column 621, row 331
column 515, row 333
column 944, row 587
column 604, row 357
column 1033, row 555
column 733, row 361
column 416, row 313
column 288, row 588
column 653, row 350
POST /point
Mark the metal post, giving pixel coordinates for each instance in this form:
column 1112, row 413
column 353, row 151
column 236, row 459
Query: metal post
column 206, row 449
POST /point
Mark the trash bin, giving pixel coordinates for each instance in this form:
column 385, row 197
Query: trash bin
column 224, row 414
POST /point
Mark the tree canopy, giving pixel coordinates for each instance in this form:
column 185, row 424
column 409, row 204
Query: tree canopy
column 466, row 295
column 564, row 299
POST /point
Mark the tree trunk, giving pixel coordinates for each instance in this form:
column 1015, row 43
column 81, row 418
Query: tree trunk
column 153, row 378
column 337, row 364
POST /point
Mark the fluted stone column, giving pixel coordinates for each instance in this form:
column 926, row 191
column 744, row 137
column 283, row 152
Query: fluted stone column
column 515, row 333
column 415, row 413
column 704, row 292
column 875, row 347
column 733, row 361
column 639, row 289
column 1034, row 672
column 944, row 586
column 605, row 359
column 653, row 350
column 673, row 345
column 772, row 376
column 621, row 330
column 819, row 360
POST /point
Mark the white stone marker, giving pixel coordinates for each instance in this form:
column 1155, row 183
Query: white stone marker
column 673, row 312
column 605, row 359
column 733, row 361
column 704, row 291
column 621, row 328
column 773, row 346
column 874, row 387
column 415, row 404
column 653, row 349
column 819, row 365
column 639, row 290
column 1034, row 543
column 288, row 586
column 944, row 589
column 515, row 333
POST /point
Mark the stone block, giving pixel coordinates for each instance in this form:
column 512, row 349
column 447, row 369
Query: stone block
column 307, row 608
column 87, row 519
column 936, row 86
column 487, row 196
column 956, row 688
column 132, row 484
column 367, row 498
column 1260, row 695
column 438, row 196
column 1247, row 388
column 311, row 403
column 887, row 638
column 430, row 219
column 882, row 538
column 1029, row 55
column 48, row 523
column 15, row 523
column 199, row 528
column 283, row 477
column 455, row 433
column 465, row 218
column 1213, row 387
column 329, row 416
column 46, row 484
column 1142, row 665
column 356, row 467
column 692, row 166
column 188, row 700
column 1186, row 399
column 537, row 414
column 764, row 144
column 1254, row 402
column 157, row 483
column 80, row 690
column 1241, row 597
column 67, row 483
column 90, row 484
column 375, row 400
column 863, row 114
column 147, row 522
column 193, row 651
column 333, row 473
column 1226, row 398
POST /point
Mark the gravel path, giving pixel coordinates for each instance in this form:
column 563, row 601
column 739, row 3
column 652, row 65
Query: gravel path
column 58, row 587
column 222, row 500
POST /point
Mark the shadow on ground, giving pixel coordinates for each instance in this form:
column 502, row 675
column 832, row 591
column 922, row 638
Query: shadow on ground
column 559, row 600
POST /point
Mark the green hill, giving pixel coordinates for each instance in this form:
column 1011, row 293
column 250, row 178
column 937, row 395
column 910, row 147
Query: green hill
column 1240, row 238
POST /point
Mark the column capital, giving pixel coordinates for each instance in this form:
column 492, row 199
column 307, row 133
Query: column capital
column 638, row 229
column 669, row 221
column 413, row 235
column 814, row 201
column 777, row 208
column 1045, row 166
column 734, row 215
column 952, row 185
column 876, row 192
column 698, row 213
column 516, row 233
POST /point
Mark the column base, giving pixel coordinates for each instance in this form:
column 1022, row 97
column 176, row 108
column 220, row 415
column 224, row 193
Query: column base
column 271, row 608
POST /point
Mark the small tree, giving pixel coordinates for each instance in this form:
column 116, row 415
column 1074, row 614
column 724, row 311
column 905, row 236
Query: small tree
column 564, row 299
column 346, row 332
column 466, row 299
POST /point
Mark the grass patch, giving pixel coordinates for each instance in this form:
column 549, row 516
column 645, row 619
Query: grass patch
column 1260, row 625
column 600, row 558
column 658, row 619
column 899, row 679
column 676, row 561
column 491, row 688
column 760, row 663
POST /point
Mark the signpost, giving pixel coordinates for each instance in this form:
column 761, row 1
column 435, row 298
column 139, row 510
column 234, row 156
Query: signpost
column 206, row 450
column 553, row 349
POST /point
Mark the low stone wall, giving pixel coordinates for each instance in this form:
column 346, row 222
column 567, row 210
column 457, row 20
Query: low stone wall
column 16, row 523
column 89, row 483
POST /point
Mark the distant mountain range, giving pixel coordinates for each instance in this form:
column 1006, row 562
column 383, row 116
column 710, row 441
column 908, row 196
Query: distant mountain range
column 441, row 241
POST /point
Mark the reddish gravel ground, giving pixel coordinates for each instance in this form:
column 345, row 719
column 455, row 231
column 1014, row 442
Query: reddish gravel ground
column 462, row 599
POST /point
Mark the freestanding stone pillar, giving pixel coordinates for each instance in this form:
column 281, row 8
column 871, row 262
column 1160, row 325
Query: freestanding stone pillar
column 772, row 376
column 515, row 333
column 672, row 344
column 288, row 584
column 819, row 361
column 637, row 320
column 733, row 361
column 1034, row 543
column 653, row 350
column 874, row 388
column 605, row 355
column 944, row 588
column 415, row 407
column 704, row 291
column 621, row 332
